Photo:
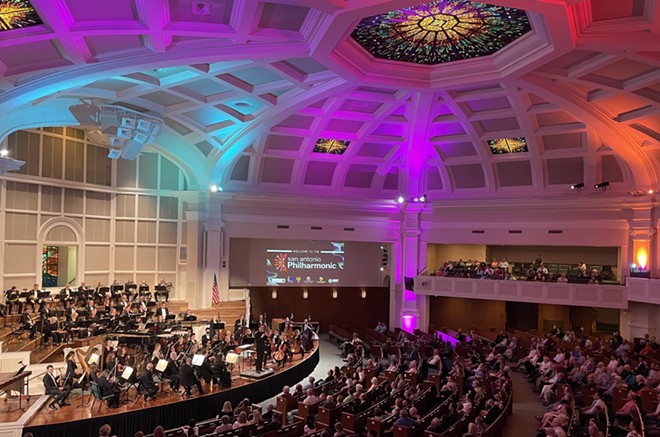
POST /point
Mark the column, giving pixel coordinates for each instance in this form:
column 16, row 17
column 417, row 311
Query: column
column 412, row 257
column 195, row 217
column 642, row 240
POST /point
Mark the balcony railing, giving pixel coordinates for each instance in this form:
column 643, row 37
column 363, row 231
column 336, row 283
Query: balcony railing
column 587, row 295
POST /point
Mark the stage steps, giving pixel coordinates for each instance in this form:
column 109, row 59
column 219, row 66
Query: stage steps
column 229, row 312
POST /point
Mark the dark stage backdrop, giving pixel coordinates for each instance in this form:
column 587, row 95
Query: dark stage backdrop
column 179, row 413
column 349, row 307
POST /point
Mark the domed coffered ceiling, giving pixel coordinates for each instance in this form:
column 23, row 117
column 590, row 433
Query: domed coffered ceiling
column 374, row 98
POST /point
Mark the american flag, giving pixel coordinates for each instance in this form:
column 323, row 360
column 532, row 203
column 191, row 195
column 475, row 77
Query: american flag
column 214, row 289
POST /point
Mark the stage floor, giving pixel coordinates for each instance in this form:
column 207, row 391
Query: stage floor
column 76, row 412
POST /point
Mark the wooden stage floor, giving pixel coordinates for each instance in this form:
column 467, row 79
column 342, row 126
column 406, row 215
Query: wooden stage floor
column 75, row 412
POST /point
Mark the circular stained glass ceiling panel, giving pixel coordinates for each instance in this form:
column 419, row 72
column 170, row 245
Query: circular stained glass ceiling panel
column 441, row 31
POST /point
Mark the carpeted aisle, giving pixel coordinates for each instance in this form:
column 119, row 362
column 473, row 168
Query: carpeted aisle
column 526, row 407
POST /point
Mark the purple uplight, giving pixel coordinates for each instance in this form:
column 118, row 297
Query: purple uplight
column 408, row 322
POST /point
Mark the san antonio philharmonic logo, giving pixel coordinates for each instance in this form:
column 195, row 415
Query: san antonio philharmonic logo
column 280, row 262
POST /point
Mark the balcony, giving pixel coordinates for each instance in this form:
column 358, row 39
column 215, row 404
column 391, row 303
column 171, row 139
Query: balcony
column 586, row 295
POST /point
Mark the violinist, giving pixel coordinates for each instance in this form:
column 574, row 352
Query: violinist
column 148, row 383
column 157, row 354
column 172, row 372
column 111, row 363
column 207, row 337
column 189, row 379
column 108, row 385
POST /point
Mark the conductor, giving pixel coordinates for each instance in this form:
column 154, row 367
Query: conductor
column 260, row 341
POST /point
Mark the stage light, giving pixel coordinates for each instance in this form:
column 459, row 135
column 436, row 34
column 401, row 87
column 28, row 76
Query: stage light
column 213, row 188
column 415, row 199
column 363, row 293
column 603, row 186
column 305, row 294
column 382, row 269
column 423, row 198
column 400, row 199
column 577, row 186
column 4, row 153
column 335, row 294
column 273, row 294
column 651, row 191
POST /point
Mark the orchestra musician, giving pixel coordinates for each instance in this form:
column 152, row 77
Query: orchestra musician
column 212, row 324
column 108, row 385
column 50, row 329
column 65, row 294
column 172, row 372
column 206, row 338
column 163, row 289
column 71, row 374
column 55, row 386
column 240, row 327
column 33, row 296
column 189, row 379
column 28, row 324
column 163, row 311
column 11, row 299
column 147, row 379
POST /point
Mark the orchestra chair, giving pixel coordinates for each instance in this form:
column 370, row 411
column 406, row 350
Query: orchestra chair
column 96, row 392
column 16, row 333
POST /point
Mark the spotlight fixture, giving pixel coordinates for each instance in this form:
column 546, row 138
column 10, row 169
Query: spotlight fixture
column 384, row 258
column 578, row 187
column 305, row 294
column 213, row 188
column 651, row 191
column 602, row 185
column 7, row 163
column 417, row 199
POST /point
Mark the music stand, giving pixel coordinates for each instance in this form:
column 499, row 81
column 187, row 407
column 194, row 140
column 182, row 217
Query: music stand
column 126, row 374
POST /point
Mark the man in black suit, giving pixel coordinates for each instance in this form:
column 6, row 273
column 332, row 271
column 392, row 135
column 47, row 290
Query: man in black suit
column 188, row 378
column 51, row 383
column 28, row 324
column 107, row 385
column 147, row 380
column 260, row 341
column 212, row 324
column 163, row 311
column 493, row 412
column 172, row 372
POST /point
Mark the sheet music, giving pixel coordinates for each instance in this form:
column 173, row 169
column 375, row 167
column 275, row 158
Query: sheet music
column 82, row 378
column 198, row 360
column 94, row 359
column 128, row 371
column 161, row 365
column 231, row 358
